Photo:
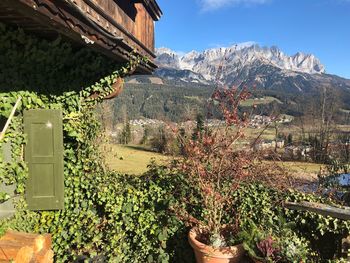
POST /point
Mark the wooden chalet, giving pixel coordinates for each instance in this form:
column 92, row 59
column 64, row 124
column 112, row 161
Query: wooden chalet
column 113, row 27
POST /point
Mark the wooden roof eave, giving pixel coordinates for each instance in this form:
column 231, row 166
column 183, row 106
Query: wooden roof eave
column 153, row 8
column 59, row 18
column 121, row 28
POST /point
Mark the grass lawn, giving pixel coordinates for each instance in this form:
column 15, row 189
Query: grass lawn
column 133, row 159
column 302, row 170
column 304, row 167
column 130, row 159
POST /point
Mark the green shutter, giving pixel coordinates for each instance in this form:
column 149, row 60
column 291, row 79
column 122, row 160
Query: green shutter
column 44, row 155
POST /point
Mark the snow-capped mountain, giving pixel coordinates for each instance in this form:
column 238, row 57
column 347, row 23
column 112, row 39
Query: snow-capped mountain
column 248, row 64
column 235, row 58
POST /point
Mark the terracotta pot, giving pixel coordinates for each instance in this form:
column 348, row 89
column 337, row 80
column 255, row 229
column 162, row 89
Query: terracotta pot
column 208, row 254
column 117, row 86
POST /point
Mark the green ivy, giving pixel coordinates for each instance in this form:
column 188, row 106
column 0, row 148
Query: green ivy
column 264, row 206
column 56, row 75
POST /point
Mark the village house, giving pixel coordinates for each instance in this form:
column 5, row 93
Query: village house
column 301, row 152
column 268, row 144
column 258, row 121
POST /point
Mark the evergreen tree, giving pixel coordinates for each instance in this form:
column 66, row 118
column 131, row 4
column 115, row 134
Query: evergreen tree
column 182, row 134
column 126, row 133
column 125, row 136
column 160, row 141
column 198, row 131
column 146, row 134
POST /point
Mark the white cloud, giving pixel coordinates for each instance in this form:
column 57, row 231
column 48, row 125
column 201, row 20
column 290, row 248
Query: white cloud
column 208, row 5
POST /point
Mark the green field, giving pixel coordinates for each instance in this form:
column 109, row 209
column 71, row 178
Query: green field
column 267, row 134
column 130, row 159
column 302, row 167
column 133, row 159
column 264, row 100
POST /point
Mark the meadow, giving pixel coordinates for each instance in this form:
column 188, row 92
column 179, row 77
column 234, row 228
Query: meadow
column 130, row 159
column 260, row 101
column 134, row 159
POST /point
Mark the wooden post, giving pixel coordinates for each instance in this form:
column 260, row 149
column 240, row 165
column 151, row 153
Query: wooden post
column 322, row 209
column 325, row 210
column 2, row 134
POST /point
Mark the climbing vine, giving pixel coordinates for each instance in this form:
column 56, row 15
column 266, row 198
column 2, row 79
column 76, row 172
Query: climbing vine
column 56, row 75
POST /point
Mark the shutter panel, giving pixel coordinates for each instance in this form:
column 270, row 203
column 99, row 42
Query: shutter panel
column 44, row 155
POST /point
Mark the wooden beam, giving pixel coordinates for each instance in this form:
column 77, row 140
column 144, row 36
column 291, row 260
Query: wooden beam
column 321, row 209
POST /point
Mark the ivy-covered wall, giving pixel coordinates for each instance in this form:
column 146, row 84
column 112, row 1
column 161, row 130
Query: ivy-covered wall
column 56, row 75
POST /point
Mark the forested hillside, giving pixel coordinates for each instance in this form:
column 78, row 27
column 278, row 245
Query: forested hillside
column 163, row 102
column 174, row 101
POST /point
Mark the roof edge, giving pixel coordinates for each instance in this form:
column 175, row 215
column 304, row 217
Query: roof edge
column 153, row 8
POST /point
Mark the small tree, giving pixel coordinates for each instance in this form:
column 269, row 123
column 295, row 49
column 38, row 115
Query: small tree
column 182, row 133
column 198, row 131
column 344, row 149
column 125, row 136
column 290, row 139
column 159, row 141
column 146, row 134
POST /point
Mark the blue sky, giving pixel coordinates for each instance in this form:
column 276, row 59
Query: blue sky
column 320, row 27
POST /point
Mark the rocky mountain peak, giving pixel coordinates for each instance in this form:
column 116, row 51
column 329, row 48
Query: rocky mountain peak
column 237, row 57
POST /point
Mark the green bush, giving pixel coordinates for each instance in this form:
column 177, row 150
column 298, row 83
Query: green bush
column 264, row 206
column 138, row 224
column 271, row 243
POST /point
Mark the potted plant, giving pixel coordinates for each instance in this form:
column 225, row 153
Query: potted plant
column 215, row 165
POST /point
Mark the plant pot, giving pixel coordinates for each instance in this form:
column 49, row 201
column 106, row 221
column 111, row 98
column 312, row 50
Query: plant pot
column 208, row 254
column 117, row 86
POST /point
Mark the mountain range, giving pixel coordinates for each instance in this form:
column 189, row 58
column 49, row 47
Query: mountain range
column 295, row 85
column 249, row 64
